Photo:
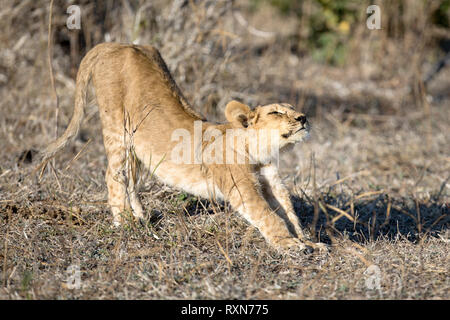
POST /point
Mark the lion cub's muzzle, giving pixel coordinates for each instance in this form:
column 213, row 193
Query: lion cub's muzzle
column 302, row 119
column 300, row 126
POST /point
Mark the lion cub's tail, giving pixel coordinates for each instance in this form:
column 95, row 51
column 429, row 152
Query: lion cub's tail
column 83, row 78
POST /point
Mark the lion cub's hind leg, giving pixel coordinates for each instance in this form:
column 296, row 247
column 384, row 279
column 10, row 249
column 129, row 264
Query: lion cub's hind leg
column 122, row 193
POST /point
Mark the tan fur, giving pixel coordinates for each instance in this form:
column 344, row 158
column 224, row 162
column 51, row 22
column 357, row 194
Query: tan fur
column 140, row 106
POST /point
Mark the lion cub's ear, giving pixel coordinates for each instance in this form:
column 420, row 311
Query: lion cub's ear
column 238, row 113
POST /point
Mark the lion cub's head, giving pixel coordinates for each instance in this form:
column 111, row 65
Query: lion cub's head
column 291, row 126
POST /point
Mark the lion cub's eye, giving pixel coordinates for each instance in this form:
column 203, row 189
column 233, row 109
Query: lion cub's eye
column 276, row 112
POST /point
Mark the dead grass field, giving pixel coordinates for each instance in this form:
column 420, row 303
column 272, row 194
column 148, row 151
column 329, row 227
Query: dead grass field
column 373, row 182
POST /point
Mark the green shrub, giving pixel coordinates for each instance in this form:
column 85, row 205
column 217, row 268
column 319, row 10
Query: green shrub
column 330, row 23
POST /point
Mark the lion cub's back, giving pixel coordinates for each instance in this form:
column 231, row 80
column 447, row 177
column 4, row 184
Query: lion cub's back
column 128, row 62
column 136, row 71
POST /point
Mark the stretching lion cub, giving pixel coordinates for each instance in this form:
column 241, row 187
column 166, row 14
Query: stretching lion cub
column 144, row 115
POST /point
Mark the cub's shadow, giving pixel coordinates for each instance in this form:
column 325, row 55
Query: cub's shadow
column 374, row 218
column 369, row 218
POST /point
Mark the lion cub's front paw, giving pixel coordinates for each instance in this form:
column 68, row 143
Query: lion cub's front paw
column 295, row 244
column 305, row 237
column 289, row 244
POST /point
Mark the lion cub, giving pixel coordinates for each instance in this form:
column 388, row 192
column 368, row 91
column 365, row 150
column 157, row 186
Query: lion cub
column 145, row 118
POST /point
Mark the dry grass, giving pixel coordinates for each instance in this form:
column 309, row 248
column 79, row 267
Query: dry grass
column 373, row 181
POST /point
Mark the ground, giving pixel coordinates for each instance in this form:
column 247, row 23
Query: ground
column 372, row 182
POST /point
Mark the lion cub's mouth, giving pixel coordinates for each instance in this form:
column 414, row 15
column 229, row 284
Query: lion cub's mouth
column 291, row 133
column 302, row 128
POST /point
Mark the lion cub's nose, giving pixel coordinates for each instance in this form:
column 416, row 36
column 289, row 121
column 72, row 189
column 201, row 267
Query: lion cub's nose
column 301, row 118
